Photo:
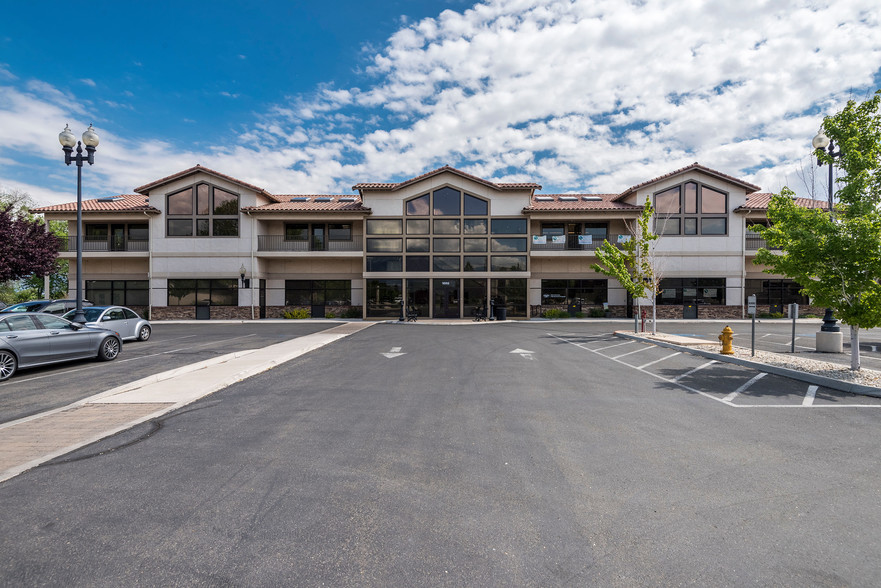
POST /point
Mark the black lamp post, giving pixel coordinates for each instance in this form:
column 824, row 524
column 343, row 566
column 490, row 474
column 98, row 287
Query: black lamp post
column 823, row 143
column 68, row 140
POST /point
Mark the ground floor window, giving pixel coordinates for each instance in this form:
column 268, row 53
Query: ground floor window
column 560, row 292
column 203, row 292
column 121, row 292
column 384, row 297
column 318, row 292
column 775, row 292
column 510, row 293
column 701, row 291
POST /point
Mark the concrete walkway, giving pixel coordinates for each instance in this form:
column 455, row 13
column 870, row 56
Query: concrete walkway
column 33, row 440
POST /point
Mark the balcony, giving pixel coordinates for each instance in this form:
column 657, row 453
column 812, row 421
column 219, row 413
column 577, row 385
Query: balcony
column 104, row 245
column 278, row 243
column 754, row 242
column 570, row 243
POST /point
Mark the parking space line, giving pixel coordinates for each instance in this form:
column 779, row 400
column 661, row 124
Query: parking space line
column 643, row 348
column 745, row 386
column 645, row 365
column 615, row 345
column 809, row 397
column 95, row 365
column 700, row 367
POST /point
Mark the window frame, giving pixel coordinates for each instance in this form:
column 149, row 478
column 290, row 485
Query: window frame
column 690, row 224
column 197, row 218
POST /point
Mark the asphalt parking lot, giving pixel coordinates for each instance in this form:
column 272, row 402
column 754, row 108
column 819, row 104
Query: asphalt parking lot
column 171, row 346
column 528, row 454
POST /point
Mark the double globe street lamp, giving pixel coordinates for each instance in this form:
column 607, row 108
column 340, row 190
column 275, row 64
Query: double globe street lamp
column 68, row 141
column 823, row 143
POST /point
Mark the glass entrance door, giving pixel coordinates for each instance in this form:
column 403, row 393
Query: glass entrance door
column 446, row 298
column 117, row 237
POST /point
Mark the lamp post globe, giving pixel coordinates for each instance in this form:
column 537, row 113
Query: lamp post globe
column 90, row 137
column 820, row 141
column 67, row 138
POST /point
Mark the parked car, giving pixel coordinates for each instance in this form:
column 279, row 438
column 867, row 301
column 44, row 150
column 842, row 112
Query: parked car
column 123, row 320
column 51, row 306
column 34, row 339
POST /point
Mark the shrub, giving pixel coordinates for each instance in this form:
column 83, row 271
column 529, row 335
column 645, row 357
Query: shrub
column 329, row 315
column 597, row 313
column 555, row 313
column 297, row 313
column 352, row 312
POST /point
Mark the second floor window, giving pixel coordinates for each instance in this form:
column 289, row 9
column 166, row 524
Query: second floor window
column 691, row 209
column 202, row 211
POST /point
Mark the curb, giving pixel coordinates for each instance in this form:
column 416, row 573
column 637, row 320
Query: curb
column 763, row 367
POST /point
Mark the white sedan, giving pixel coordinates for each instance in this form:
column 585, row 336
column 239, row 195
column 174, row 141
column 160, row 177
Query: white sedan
column 123, row 320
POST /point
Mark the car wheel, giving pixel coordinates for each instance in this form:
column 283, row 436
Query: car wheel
column 109, row 349
column 144, row 333
column 8, row 364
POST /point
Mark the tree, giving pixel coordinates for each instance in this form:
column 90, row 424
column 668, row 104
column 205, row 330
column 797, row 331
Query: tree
column 635, row 265
column 26, row 247
column 836, row 257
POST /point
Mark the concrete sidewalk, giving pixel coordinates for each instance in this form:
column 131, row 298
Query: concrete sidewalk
column 33, row 440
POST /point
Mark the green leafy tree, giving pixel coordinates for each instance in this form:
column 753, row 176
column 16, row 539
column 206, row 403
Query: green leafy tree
column 27, row 252
column 635, row 265
column 837, row 257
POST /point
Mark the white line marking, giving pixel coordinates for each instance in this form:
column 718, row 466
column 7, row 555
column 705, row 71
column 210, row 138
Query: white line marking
column 745, row 386
column 395, row 350
column 666, row 357
column 700, row 367
column 643, row 348
column 97, row 364
column 707, row 394
column 615, row 345
column 809, row 397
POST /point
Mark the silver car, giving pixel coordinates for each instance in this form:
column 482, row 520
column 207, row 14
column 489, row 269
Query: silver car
column 123, row 320
column 34, row 339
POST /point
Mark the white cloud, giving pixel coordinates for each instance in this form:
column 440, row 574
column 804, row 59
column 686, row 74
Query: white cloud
column 88, row 82
column 587, row 95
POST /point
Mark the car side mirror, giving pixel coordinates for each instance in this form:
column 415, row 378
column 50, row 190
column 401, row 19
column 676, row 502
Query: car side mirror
column 76, row 326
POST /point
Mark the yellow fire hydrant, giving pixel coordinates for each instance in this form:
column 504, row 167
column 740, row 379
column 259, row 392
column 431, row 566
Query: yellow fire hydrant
column 727, row 338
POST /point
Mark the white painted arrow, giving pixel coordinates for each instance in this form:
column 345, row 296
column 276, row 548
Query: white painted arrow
column 524, row 353
column 394, row 352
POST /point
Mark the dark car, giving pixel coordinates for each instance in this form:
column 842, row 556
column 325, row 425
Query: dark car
column 123, row 320
column 58, row 307
column 34, row 339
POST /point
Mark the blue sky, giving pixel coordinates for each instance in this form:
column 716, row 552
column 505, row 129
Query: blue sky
column 313, row 97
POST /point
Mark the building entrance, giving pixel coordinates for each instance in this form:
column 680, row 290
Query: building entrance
column 446, row 298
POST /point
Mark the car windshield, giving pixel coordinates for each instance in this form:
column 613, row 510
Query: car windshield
column 25, row 307
column 92, row 314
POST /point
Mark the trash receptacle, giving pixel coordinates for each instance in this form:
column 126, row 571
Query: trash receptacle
column 501, row 313
column 203, row 312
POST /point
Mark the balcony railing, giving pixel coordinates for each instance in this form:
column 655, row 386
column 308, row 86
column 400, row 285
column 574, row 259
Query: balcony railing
column 570, row 243
column 278, row 243
column 106, row 245
column 754, row 242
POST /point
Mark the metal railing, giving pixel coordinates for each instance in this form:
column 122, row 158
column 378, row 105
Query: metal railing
column 90, row 245
column 571, row 244
column 754, row 242
column 278, row 243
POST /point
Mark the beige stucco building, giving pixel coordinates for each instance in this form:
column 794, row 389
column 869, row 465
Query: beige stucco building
column 445, row 244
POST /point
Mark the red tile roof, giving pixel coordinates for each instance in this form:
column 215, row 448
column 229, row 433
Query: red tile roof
column 581, row 203
column 694, row 166
column 391, row 186
column 123, row 203
column 312, row 202
column 198, row 168
column 760, row 201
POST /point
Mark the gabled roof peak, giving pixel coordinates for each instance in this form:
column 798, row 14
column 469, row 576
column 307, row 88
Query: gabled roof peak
column 750, row 188
column 392, row 186
column 196, row 169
